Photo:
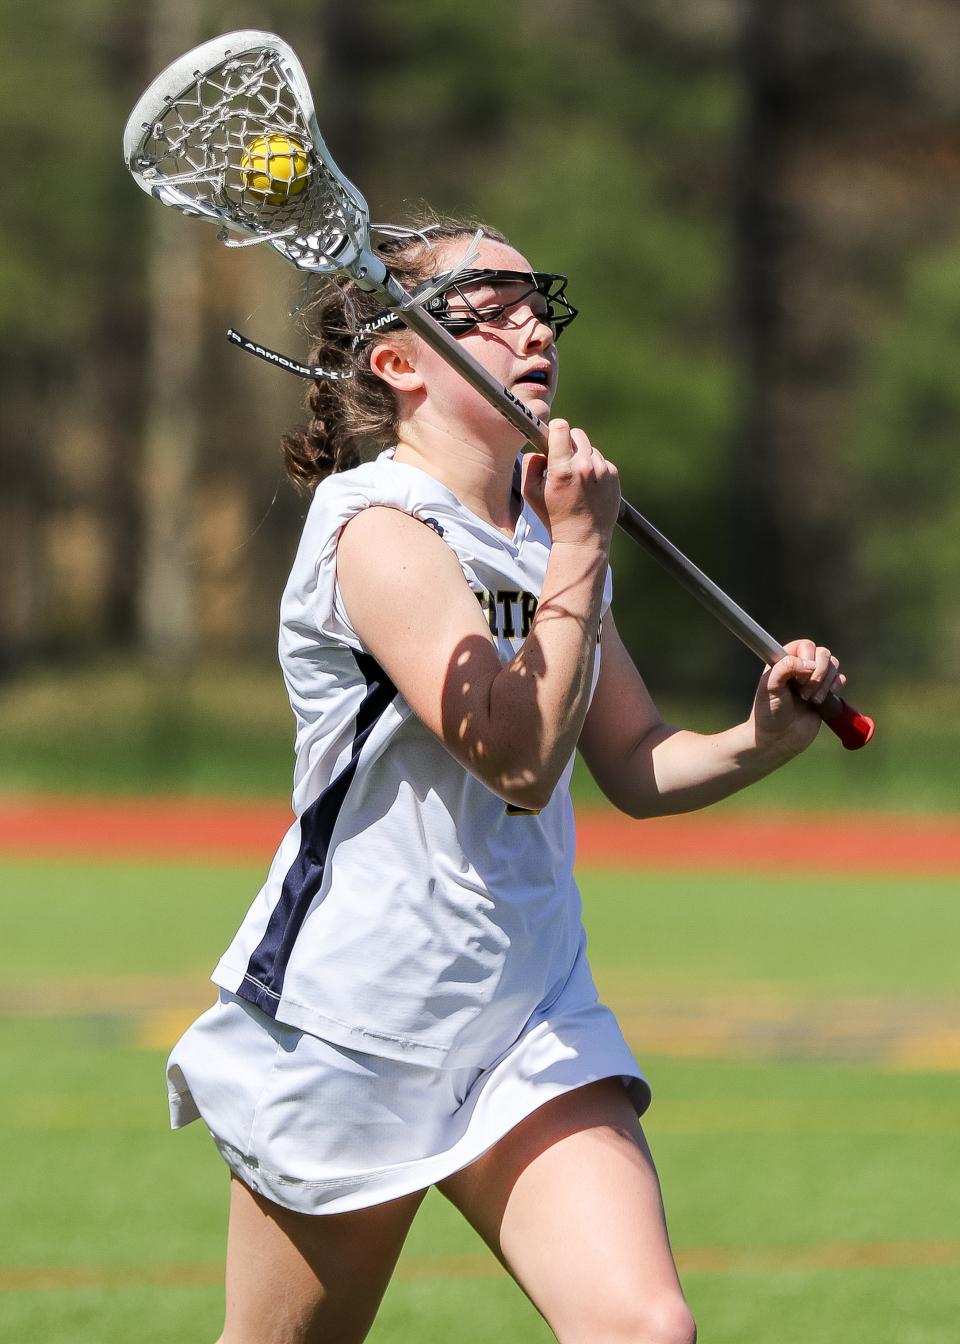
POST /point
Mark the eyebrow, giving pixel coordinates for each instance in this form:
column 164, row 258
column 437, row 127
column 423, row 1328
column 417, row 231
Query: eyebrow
column 488, row 283
column 497, row 287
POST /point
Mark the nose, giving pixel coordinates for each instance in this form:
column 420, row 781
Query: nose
column 536, row 332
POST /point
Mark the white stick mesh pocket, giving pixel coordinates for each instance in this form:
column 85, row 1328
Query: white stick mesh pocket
column 228, row 132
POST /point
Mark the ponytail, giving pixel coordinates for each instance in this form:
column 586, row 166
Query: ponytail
column 354, row 413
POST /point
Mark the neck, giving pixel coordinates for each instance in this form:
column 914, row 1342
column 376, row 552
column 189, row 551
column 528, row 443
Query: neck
column 480, row 477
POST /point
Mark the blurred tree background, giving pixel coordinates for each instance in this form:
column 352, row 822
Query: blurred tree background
column 757, row 204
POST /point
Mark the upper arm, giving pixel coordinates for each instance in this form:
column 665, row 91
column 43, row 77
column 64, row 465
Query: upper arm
column 412, row 608
column 622, row 714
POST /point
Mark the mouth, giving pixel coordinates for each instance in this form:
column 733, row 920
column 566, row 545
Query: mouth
column 539, row 377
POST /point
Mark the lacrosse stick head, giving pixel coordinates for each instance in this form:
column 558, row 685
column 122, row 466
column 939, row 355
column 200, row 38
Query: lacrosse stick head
column 229, row 133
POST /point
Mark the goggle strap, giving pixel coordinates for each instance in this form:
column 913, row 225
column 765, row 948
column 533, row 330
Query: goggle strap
column 309, row 371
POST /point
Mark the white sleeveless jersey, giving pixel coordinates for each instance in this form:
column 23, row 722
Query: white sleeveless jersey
column 408, row 912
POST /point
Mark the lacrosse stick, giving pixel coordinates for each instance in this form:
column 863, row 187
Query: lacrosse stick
column 229, row 133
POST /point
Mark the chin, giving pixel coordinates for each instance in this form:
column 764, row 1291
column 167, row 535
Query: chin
column 490, row 427
column 531, row 395
column 540, row 407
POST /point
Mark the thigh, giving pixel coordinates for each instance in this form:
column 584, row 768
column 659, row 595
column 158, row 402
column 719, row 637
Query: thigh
column 570, row 1202
column 297, row 1278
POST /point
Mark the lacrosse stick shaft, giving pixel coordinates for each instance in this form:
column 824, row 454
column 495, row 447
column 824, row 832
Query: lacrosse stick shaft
column 851, row 727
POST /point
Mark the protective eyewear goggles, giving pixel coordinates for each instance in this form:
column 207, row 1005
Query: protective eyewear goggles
column 552, row 306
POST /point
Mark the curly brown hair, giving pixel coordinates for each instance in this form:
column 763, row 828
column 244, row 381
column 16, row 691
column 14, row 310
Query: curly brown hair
column 356, row 415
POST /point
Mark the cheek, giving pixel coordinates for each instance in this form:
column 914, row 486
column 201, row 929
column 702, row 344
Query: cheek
column 450, row 392
column 446, row 383
column 465, row 403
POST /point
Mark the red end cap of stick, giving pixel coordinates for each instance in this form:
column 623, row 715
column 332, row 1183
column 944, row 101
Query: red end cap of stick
column 853, row 728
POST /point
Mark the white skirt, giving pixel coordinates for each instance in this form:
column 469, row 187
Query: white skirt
column 320, row 1129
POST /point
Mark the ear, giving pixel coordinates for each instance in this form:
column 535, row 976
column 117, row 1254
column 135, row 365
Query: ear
column 391, row 361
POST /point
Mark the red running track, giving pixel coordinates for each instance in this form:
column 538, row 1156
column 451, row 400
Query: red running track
column 248, row 832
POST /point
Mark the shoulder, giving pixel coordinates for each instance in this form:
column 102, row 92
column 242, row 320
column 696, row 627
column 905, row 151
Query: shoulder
column 344, row 492
column 388, row 536
column 385, row 480
column 337, row 499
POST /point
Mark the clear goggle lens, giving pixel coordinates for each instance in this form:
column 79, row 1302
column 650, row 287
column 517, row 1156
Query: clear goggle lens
column 465, row 305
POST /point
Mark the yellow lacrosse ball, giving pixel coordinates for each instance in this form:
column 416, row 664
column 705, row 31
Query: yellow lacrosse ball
column 277, row 165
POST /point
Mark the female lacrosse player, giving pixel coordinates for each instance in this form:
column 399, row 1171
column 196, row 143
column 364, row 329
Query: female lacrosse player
column 407, row 1002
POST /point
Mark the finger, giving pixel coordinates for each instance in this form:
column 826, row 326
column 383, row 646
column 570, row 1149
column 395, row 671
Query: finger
column 560, row 447
column 803, row 648
column 823, row 678
column 581, row 443
column 602, row 466
column 791, row 668
column 587, row 454
column 533, row 467
column 799, row 667
column 533, row 470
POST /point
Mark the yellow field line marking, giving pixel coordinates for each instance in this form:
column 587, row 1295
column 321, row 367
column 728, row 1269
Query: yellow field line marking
column 900, row 1032
column 82, row 996
column 691, row 1260
column 836, row 1255
column 802, row 1116
column 59, row 1278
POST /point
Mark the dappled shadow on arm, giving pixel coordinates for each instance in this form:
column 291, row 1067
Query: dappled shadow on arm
column 488, row 715
column 470, row 699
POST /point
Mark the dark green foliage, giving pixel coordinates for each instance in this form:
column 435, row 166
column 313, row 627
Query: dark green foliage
column 808, row 464
column 906, row 442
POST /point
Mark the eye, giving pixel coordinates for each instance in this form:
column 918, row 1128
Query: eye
column 494, row 300
column 507, row 299
column 482, row 300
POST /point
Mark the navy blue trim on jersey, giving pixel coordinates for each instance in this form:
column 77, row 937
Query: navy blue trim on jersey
column 262, row 984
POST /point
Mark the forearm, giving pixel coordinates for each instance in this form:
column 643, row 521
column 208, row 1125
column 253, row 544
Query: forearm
column 647, row 768
column 674, row 770
column 538, row 701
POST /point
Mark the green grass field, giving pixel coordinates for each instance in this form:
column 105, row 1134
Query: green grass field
column 806, row 1118
column 227, row 731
